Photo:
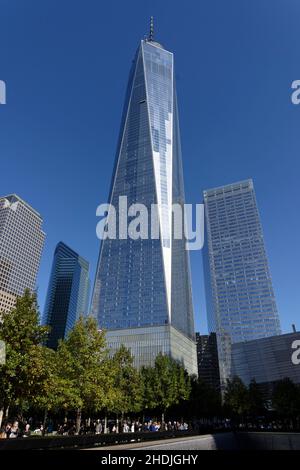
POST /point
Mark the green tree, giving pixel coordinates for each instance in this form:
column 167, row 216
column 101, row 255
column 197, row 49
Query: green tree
column 82, row 359
column 256, row 401
column 166, row 385
column 236, row 397
column 21, row 376
column 148, row 375
column 204, row 400
column 286, row 399
column 57, row 391
column 128, row 384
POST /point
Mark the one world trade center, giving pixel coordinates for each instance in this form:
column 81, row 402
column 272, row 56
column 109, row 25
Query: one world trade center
column 142, row 293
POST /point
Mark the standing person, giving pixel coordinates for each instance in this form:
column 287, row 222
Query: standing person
column 72, row 430
column 27, row 431
column 50, row 427
column 145, row 427
column 60, row 430
column 7, row 429
column 98, row 427
column 152, row 427
column 125, row 427
column 14, row 430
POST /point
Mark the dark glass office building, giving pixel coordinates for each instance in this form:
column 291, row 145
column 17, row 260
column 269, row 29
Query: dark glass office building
column 207, row 358
column 142, row 292
column 268, row 360
column 241, row 304
column 68, row 293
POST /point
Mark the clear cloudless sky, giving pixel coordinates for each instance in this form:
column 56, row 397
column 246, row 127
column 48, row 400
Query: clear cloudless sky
column 66, row 64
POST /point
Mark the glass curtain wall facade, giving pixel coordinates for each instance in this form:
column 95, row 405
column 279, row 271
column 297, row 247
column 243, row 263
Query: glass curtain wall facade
column 68, row 293
column 146, row 282
column 267, row 360
column 241, row 304
column 21, row 244
column 207, row 357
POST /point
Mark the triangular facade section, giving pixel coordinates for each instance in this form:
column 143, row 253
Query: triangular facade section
column 130, row 288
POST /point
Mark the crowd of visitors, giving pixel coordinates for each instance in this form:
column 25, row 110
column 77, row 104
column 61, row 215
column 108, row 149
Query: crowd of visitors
column 20, row 428
column 14, row 429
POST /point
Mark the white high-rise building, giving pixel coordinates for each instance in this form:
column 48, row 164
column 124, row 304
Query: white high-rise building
column 241, row 304
column 21, row 245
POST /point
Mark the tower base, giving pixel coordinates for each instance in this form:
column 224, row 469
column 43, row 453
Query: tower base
column 145, row 343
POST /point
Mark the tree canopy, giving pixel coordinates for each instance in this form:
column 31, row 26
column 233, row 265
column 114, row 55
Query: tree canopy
column 166, row 384
column 21, row 377
column 128, row 385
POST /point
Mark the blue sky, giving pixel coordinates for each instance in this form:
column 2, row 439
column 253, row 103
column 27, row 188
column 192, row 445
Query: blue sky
column 66, row 65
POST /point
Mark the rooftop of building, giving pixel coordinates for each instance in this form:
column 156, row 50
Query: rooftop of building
column 267, row 339
column 229, row 187
column 65, row 249
column 15, row 198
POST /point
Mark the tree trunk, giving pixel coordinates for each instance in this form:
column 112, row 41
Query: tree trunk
column 44, row 422
column 117, row 426
column 162, row 421
column 1, row 416
column 122, row 421
column 105, row 424
column 78, row 420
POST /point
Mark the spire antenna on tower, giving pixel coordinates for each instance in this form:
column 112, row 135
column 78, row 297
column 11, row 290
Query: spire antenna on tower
column 151, row 33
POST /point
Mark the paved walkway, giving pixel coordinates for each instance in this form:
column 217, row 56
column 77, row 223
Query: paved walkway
column 206, row 442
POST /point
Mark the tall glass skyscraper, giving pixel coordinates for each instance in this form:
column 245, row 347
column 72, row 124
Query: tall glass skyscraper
column 21, row 244
column 68, row 293
column 142, row 293
column 241, row 304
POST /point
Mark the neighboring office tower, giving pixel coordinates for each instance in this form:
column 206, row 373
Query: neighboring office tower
column 68, row 293
column 21, row 245
column 142, row 292
column 208, row 363
column 267, row 360
column 241, row 304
